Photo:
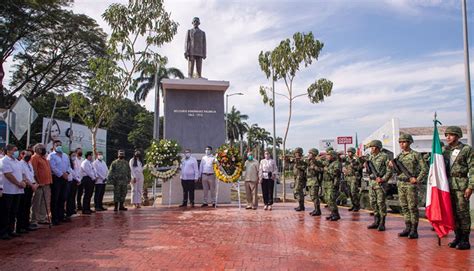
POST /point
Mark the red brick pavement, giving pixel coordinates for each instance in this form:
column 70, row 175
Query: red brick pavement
column 227, row 238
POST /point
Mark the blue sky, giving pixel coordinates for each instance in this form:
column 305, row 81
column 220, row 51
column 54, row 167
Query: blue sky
column 386, row 58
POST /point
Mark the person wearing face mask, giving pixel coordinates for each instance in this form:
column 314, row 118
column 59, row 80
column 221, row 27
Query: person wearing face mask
column 72, row 184
column 251, row 182
column 23, row 216
column 13, row 185
column 101, row 171
column 61, row 168
column 119, row 176
column 43, row 177
column 80, row 187
column 88, row 181
column 267, row 175
column 189, row 176
column 136, row 168
column 206, row 168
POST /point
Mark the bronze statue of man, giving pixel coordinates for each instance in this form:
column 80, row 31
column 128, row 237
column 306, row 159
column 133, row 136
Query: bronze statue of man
column 195, row 48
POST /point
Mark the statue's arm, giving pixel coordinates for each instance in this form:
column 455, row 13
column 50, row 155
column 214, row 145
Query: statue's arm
column 204, row 45
column 186, row 45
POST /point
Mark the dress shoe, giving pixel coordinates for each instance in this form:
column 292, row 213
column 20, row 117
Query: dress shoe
column 14, row 234
column 204, row 205
column 248, row 207
column 86, row 212
column 213, row 205
column 183, row 205
column 270, row 207
column 6, row 237
column 21, row 231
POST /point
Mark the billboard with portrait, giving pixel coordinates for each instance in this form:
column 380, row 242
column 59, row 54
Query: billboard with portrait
column 79, row 136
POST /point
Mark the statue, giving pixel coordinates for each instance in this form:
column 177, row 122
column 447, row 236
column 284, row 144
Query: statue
column 195, row 48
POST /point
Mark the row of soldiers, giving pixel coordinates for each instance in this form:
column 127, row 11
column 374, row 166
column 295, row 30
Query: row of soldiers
column 325, row 172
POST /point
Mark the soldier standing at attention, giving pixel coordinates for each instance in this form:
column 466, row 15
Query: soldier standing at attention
column 377, row 166
column 410, row 169
column 314, row 173
column 459, row 159
column 119, row 175
column 351, row 169
column 331, row 177
column 299, row 173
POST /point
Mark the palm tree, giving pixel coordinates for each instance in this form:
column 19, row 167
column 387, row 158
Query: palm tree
column 236, row 126
column 257, row 138
column 147, row 80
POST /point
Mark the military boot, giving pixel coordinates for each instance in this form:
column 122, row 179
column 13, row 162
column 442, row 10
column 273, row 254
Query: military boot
column 300, row 207
column 382, row 224
column 413, row 232
column 464, row 243
column 317, row 210
column 406, row 231
column 351, row 209
column 122, row 207
column 457, row 239
column 335, row 216
column 375, row 224
column 116, row 206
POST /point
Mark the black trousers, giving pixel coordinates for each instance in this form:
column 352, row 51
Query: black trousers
column 80, row 192
column 188, row 190
column 23, row 215
column 267, row 191
column 99, row 195
column 9, row 204
column 58, row 198
column 88, row 185
column 71, row 198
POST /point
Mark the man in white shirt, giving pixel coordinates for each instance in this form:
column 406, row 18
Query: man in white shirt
column 88, row 181
column 102, row 172
column 80, row 188
column 13, row 186
column 189, row 175
column 23, row 217
column 73, row 183
column 208, row 178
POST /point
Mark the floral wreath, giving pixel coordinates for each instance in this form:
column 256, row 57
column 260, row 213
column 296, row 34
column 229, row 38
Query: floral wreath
column 228, row 166
column 163, row 158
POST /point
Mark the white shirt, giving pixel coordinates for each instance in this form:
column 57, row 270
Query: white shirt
column 207, row 164
column 266, row 166
column 13, row 166
column 27, row 171
column 101, row 171
column 87, row 169
column 136, row 172
column 77, row 172
column 1, row 172
column 189, row 169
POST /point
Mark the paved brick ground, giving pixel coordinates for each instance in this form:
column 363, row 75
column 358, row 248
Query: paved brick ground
column 227, row 238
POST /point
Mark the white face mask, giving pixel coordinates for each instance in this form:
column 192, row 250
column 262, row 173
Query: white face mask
column 100, row 157
column 267, row 156
column 187, row 155
column 208, row 152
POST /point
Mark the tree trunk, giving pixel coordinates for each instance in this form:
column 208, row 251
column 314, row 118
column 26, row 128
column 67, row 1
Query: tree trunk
column 146, row 200
column 94, row 140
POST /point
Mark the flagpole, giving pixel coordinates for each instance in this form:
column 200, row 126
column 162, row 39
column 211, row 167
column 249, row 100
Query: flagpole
column 467, row 74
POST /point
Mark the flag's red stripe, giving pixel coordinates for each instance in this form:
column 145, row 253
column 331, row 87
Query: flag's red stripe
column 440, row 212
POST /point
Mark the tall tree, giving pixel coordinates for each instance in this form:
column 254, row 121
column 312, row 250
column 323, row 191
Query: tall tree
column 236, row 125
column 142, row 134
column 50, row 47
column 283, row 63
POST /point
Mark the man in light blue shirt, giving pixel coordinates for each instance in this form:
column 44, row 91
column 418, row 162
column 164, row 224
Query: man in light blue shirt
column 61, row 168
column 189, row 175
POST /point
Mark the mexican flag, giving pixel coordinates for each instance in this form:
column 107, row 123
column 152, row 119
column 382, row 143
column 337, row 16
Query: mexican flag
column 438, row 202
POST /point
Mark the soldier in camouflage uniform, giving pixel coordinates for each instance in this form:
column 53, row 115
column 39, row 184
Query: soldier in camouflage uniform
column 351, row 169
column 408, row 185
column 331, row 176
column 459, row 159
column 314, row 174
column 299, row 173
column 377, row 183
column 119, row 176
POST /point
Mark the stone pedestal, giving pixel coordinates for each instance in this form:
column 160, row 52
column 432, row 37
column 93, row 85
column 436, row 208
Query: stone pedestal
column 194, row 116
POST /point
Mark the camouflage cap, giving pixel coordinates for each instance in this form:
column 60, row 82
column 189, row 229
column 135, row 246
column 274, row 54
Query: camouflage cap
column 314, row 151
column 329, row 149
column 375, row 143
column 454, row 130
column 405, row 138
column 299, row 150
column 351, row 149
column 333, row 154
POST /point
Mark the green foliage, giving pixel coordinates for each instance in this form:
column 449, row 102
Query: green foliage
column 140, row 19
column 236, row 125
column 142, row 133
column 51, row 47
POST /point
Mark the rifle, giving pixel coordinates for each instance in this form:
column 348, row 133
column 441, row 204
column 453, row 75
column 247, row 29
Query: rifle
column 400, row 168
column 373, row 173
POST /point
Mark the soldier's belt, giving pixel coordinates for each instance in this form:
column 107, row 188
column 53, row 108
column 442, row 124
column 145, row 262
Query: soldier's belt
column 459, row 175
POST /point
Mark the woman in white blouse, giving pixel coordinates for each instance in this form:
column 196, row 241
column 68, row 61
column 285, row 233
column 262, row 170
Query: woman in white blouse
column 136, row 168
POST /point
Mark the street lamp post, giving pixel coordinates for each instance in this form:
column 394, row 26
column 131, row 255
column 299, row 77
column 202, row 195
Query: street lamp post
column 227, row 112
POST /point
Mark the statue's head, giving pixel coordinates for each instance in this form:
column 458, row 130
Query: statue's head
column 196, row 22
